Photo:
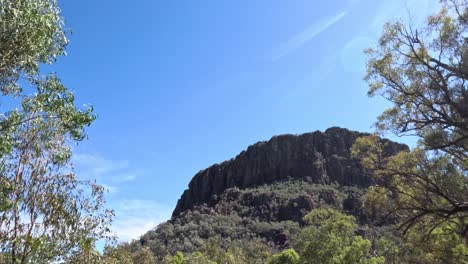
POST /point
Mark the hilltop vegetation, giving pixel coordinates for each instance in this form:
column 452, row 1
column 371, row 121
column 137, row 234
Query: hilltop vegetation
column 271, row 215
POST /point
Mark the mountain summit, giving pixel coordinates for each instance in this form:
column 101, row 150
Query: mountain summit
column 316, row 157
column 261, row 196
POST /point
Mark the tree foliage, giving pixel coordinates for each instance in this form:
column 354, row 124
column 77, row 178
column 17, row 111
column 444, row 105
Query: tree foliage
column 424, row 195
column 329, row 238
column 31, row 33
column 288, row 256
column 423, row 72
column 46, row 213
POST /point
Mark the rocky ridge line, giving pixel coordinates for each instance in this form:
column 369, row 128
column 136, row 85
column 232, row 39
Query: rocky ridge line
column 316, row 157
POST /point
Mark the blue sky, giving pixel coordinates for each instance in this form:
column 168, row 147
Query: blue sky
column 181, row 85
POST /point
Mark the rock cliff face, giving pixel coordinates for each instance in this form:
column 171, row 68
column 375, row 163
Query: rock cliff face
column 317, row 157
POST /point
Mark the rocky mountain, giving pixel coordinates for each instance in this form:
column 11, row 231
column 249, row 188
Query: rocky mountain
column 317, row 157
column 260, row 196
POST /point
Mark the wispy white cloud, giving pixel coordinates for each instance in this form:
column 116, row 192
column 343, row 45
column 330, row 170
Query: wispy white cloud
column 93, row 166
column 127, row 177
column 307, row 35
column 96, row 165
column 109, row 188
column 134, row 217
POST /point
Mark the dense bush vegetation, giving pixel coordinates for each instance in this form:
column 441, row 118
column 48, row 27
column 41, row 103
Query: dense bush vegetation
column 327, row 236
column 251, row 226
column 269, row 214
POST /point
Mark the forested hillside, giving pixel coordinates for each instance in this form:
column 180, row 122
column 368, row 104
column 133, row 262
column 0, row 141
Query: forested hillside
column 270, row 188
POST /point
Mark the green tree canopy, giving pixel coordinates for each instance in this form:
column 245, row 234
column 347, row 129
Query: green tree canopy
column 31, row 33
column 288, row 256
column 329, row 238
column 423, row 72
column 46, row 212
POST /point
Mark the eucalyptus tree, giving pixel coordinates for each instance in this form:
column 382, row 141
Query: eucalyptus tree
column 329, row 238
column 423, row 72
column 288, row 256
column 46, row 211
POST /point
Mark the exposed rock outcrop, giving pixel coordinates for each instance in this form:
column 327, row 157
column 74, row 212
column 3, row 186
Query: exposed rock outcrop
column 317, row 157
